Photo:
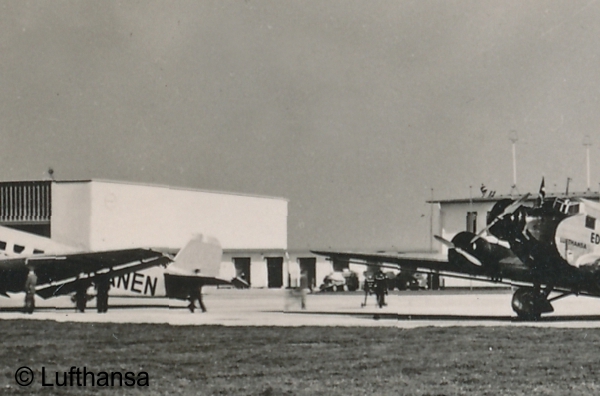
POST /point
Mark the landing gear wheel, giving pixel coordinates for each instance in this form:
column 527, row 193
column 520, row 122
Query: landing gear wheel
column 530, row 305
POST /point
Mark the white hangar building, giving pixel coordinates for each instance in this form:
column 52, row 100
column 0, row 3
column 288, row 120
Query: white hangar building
column 103, row 215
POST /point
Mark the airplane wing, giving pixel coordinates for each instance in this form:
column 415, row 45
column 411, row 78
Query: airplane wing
column 59, row 275
column 504, row 267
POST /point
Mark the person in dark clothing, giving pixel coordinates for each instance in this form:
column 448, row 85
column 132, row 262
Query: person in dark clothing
column 369, row 288
column 102, row 288
column 80, row 298
column 196, row 294
column 380, row 288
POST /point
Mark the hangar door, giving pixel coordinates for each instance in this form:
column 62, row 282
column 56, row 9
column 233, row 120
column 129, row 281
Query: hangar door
column 242, row 268
column 309, row 265
column 275, row 272
column 340, row 265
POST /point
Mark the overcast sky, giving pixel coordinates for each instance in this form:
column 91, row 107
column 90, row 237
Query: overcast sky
column 352, row 110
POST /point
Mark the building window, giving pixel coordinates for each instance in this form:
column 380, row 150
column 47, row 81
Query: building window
column 472, row 222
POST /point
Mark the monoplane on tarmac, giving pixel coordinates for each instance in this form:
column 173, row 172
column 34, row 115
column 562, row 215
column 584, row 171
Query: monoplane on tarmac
column 549, row 250
column 61, row 269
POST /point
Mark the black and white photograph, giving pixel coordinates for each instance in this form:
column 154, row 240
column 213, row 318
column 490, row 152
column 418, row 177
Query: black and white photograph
column 300, row 197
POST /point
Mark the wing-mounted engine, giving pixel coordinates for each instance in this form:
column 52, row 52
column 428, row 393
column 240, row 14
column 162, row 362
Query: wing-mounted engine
column 470, row 250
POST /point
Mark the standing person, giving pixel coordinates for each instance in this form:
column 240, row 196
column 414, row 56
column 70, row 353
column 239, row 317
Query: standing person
column 102, row 288
column 81, row 298
column 196, row 294
column 30, row 284
column 369, row 287
column 380, row 288
column 303, row 287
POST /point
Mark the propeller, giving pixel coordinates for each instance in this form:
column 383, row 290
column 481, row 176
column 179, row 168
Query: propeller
column 472, row 259
column 510, row 209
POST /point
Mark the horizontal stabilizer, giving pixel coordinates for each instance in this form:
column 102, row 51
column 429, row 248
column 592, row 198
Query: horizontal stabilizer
column 239, row 283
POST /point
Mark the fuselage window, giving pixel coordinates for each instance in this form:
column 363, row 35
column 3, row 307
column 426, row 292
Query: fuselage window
column 2, row 245
column 18, row 248
column 590, row 222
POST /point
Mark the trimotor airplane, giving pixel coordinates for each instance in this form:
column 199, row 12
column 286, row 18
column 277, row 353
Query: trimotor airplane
column 61, row 269
column 550, row 247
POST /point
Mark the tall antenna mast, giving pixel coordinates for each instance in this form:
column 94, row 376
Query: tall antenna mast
column 587, row 142
column 513, row 138
column 431, row 222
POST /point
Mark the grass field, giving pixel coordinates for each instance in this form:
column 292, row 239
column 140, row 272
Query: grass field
column 306, row 361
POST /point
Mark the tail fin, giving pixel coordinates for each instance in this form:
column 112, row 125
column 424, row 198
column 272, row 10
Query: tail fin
column 201, row 256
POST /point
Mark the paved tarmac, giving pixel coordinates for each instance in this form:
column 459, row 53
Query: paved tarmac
column 260, row 307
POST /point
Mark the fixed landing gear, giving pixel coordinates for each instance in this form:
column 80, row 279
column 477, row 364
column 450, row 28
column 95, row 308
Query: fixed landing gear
column 530, row 303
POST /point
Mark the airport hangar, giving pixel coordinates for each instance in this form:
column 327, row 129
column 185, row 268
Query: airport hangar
column 96, row 215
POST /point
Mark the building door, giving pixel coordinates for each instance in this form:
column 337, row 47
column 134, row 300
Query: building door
column 340, row 265
column 275, row 272
column 309, row 264
column 472, row 222
column 242, row 268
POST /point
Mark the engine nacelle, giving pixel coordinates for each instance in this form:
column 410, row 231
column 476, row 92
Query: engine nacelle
column 489, row 254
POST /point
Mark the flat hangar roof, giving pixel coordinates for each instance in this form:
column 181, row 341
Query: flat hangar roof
column 83, row 181
column 593, row 195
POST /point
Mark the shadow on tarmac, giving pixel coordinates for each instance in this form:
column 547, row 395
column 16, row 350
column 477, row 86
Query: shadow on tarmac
column 433, row 318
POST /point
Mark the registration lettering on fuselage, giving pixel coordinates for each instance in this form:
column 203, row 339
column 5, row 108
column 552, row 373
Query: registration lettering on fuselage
column 137, row 283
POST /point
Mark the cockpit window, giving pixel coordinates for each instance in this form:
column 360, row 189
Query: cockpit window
column 590, row 222
column 2, row 245
column 566, row 206
column 18, row 248
column 38, row 251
